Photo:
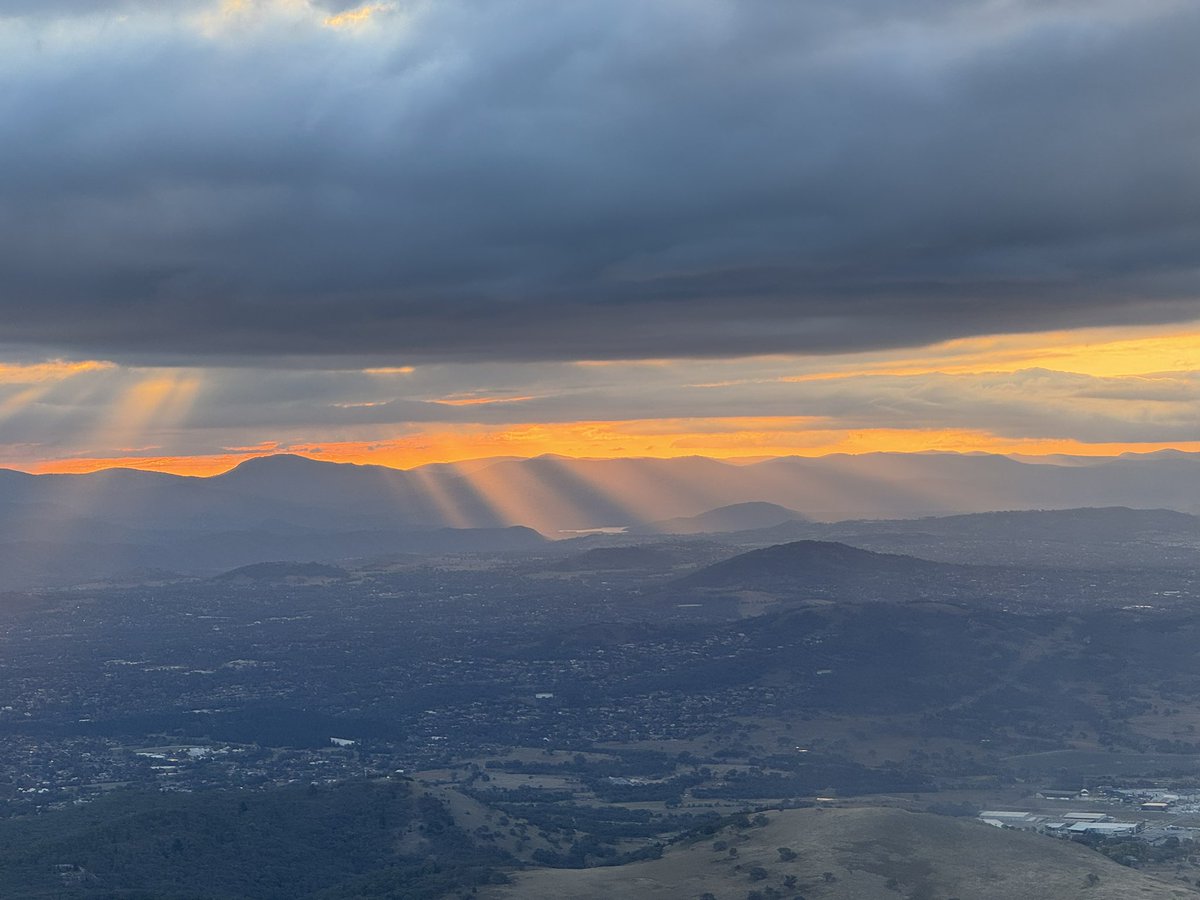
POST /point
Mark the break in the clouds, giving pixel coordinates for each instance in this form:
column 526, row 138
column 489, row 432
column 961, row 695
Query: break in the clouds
column 1109, row 389
column 539, row 180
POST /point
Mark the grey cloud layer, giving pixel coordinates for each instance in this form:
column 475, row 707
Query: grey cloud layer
column 546, row 180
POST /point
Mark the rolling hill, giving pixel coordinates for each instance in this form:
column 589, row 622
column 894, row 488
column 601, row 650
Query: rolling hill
column 856, row 854
column 735, row 517
column 829, row 570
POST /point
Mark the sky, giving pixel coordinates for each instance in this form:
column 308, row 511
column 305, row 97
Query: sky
column 410, row 232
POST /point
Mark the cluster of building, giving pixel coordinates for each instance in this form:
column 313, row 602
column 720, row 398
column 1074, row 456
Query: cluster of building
column 1064, row 824
column 1163, row 810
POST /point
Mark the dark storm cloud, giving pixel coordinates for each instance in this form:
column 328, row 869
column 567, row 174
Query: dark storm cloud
column 540, row 180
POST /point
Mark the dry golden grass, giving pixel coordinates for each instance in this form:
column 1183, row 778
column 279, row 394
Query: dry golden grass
column 858, row 854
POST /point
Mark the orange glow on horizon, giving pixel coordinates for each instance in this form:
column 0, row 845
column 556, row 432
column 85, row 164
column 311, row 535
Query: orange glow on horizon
column 658, row 438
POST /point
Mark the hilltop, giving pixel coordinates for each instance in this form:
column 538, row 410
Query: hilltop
column 735, row 517
column 825, row 569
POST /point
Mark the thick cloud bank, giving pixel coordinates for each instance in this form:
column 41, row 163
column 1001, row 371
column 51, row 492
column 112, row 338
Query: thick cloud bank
column 534, row 179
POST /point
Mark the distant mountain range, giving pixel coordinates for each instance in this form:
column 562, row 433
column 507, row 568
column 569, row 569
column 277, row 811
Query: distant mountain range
column 551, row 493
column 60, row 529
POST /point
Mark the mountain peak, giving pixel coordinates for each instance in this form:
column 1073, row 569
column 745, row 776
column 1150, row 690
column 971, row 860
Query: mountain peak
column 752, row 514
column 277, row 462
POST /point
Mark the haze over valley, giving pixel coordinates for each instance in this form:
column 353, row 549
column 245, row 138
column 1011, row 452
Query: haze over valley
column 741, row 701
column 58, row 530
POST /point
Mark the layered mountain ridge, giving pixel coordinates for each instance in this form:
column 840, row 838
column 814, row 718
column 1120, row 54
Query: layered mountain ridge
column 62, row 529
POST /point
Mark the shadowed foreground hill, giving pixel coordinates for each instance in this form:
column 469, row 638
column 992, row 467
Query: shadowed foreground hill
column 334, row 842
column 856, row 854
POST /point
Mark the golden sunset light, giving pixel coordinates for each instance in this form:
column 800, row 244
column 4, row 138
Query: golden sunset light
column 1113, row 373
column 723, row 439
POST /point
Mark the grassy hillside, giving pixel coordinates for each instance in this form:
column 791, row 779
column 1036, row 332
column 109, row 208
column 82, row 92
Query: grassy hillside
column 855, row 854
